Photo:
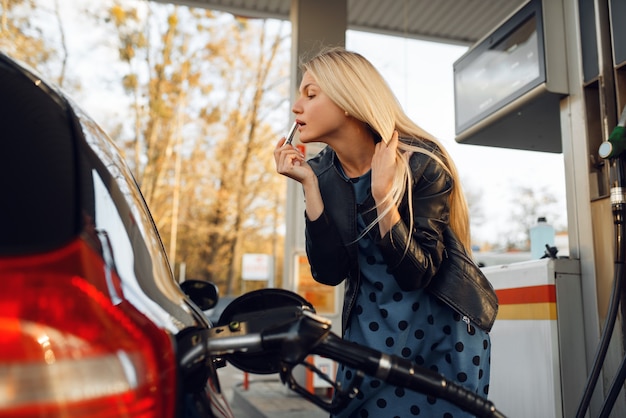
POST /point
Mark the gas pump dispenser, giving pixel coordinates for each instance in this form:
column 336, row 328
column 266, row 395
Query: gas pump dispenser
column 613, row 151
column 564, row 83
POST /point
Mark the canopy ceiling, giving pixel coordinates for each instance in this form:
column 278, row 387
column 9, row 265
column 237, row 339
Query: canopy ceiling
column 449, row 21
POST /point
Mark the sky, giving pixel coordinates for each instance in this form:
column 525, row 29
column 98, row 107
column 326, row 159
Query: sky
column 421, row 75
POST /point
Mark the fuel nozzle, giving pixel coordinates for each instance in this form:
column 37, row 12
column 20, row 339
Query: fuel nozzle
column 616, row 143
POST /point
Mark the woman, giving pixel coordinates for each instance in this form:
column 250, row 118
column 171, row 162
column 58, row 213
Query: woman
column 385, row 212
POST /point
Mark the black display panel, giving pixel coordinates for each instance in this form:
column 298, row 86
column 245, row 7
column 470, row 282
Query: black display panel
column 504, row 66
column 618, row 30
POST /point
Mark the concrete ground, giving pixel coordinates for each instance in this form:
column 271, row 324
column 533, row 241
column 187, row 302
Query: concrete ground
column 265, row 396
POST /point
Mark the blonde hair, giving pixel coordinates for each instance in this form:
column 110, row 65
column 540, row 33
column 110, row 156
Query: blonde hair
column 355, row 85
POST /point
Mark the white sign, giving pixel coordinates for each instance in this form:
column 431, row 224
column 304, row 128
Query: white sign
column 257, row 267
column 327, row 367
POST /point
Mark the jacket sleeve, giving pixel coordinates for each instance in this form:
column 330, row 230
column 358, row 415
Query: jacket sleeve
column 415, row 254
column 325, row 250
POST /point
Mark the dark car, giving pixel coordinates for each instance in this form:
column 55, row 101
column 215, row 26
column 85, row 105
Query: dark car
column 92, row 323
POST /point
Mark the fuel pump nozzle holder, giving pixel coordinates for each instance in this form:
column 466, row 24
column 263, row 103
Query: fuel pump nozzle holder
column 616, row 144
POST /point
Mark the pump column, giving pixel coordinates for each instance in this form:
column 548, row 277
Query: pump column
column 313, row 25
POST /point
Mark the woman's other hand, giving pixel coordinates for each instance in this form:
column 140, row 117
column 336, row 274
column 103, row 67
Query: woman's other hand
column 384, row 168
column 383, row 173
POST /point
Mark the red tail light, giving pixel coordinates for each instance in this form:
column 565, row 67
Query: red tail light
column 70, row 348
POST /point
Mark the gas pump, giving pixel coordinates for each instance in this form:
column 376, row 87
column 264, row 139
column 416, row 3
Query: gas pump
column 613, row 151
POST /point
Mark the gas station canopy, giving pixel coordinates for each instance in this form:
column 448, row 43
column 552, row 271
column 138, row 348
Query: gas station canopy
column 461, row 22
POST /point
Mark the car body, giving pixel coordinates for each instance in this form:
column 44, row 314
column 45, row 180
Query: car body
column 92, row 322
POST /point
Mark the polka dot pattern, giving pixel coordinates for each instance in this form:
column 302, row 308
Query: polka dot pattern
column 413, row 325
column 436, row 338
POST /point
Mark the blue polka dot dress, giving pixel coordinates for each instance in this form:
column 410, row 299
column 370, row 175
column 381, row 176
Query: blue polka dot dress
column 413, row 325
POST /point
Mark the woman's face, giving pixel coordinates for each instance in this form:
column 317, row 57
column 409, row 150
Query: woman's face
column 319, row 117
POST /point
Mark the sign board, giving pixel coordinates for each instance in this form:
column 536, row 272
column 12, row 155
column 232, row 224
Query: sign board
column 310, row 150
column 327, row 367
column 257, row 267
column 321, row 296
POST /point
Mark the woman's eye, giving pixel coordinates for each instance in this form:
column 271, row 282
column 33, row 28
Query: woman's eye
column 310, row 96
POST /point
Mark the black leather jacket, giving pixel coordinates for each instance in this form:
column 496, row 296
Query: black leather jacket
column 435, row 259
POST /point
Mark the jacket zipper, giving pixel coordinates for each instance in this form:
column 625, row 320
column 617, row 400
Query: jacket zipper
column 357, row 285
column 466, row 319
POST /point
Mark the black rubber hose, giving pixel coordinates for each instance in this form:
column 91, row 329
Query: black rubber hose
column 616, row 387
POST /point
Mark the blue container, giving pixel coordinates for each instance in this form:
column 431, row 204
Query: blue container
column 541, row 234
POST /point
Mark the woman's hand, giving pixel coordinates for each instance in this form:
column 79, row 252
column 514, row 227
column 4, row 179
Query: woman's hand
column 384, row 168
column 290, row 162
column 383, row 173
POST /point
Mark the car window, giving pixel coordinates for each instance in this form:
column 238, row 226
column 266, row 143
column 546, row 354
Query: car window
column 121, row 215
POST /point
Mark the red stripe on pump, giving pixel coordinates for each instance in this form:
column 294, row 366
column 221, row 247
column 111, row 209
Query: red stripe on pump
column 530, row 294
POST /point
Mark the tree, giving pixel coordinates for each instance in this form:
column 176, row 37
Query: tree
column 202, row 134
column 207, row 99
column 21, row 36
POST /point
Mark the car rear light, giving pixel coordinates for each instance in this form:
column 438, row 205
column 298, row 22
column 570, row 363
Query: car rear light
column 71, row 346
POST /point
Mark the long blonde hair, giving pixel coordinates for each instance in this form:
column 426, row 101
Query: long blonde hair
column 355, row 85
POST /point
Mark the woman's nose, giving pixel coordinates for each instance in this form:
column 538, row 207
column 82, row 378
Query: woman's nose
column 296, row 108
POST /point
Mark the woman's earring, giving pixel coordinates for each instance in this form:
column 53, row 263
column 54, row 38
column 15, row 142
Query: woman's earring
column 346, row 113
